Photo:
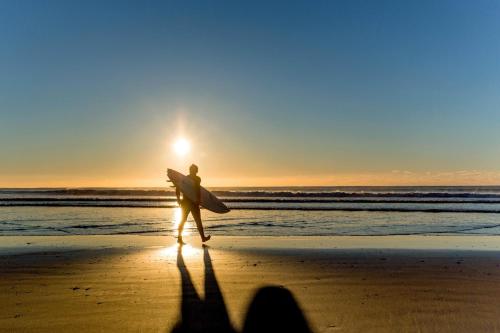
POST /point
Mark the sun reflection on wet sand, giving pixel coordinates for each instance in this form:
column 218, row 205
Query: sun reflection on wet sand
column 172, row 251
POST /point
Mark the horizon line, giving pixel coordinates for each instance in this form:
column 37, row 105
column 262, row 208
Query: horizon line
column 253, row 186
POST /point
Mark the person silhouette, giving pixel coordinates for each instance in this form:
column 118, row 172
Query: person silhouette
column 190, row 206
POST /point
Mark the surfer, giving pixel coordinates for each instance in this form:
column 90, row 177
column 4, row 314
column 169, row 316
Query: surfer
column 191, row 206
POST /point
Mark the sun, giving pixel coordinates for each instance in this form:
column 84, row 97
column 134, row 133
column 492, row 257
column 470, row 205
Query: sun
column 181, row 146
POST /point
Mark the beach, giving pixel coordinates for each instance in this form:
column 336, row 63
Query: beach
column 249, row 166
column 326, row 284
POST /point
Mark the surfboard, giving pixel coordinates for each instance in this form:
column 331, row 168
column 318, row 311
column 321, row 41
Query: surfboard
column 186, row 185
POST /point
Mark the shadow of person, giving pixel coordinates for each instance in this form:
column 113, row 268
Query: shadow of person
column 198, row 315
column 273, row 309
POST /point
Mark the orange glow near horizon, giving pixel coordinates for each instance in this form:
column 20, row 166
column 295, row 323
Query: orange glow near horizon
column 210, row 179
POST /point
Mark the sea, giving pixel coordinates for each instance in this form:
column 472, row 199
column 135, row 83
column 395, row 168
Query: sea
column 256, row 211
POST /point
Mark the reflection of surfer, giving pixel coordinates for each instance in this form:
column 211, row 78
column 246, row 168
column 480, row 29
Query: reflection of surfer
column 192, row 206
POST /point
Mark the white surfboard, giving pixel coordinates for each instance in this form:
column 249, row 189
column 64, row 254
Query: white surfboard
column 186, row 186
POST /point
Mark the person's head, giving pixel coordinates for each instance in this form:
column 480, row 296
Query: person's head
column 193, row 169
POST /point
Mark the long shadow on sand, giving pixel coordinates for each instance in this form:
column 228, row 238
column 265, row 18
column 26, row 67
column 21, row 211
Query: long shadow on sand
column 273, row 309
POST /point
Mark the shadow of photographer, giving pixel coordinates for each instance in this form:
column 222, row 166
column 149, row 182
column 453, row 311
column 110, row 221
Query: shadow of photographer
column 273, row 309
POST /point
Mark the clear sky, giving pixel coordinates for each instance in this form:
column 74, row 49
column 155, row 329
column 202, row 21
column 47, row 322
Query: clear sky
column 94, row 93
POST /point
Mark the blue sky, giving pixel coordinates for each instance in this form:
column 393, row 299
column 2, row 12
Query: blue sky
column 269, row 93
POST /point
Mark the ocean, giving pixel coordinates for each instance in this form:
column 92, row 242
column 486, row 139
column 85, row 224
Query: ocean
column 283, row 211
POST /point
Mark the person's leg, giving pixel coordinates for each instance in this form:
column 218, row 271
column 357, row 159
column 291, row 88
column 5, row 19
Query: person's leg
column 197, row 218
column 184, row 214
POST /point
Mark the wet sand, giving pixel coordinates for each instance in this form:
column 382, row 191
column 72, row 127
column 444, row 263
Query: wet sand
column 137, row 283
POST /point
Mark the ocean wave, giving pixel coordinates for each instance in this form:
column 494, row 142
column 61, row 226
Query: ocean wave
column 103, row 204
column 261, row 208
column 41, row 200
column 348, row 192
column 361, row 194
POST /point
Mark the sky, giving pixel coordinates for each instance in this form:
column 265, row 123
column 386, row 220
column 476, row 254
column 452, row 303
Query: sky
column 267, row 93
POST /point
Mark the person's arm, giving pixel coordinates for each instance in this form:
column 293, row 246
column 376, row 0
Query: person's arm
column 198, row 190
column 178, row 195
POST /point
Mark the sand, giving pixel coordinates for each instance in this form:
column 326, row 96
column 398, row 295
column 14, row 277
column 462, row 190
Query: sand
column 321, row 284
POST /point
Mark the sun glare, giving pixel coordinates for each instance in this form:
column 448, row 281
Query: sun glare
column 181, row 147
column 176, row 219
column 172, row 251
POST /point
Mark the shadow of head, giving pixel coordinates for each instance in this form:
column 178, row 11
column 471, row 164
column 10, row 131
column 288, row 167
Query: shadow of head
column 274, row 309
